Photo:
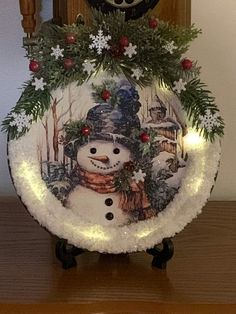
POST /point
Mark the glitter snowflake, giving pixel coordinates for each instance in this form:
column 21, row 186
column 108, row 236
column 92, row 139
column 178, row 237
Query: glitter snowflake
column 130, row 50
column 139, row 176
column 39, row 83
column 209, row 120
column 137, row 73
column 88, row 67
column 99, row 42
column 57, row 52
column 170, row 47
column 21, row 120
column 179, row 86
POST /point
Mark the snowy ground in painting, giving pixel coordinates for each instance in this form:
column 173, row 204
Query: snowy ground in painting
column 162, row 162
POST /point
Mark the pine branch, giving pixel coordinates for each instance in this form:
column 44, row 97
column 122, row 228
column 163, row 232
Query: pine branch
column 196, row 100
column 156, row 63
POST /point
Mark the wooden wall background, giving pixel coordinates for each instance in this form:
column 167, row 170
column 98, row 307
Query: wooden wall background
column 66, row 12
column 175, row 11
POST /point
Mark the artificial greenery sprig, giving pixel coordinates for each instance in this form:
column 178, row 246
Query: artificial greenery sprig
column 69, row 53
column 196, row 100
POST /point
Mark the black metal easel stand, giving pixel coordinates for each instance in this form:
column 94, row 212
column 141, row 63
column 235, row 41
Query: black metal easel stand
column 162, row 256
column 66, row 253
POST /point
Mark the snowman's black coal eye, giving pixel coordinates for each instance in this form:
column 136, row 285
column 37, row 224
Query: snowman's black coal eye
column 116, row 151
column 93, row 150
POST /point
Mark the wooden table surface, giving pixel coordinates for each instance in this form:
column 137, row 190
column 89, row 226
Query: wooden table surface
column 203, row 269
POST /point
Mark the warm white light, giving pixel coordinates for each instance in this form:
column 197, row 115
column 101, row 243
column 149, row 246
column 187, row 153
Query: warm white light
column 92, row 233
column 95, row 233
column 193, row 140
column 164, row 87
column 28, row 172
column 197, row 180
column 197, row 184
column 144, row 233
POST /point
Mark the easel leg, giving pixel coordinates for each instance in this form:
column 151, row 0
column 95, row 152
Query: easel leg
column 162, row 256
column 66, row 253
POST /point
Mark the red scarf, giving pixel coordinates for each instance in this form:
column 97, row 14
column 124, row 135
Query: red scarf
column 135, row 199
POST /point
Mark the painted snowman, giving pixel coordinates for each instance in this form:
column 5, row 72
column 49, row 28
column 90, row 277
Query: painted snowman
column 95, row 198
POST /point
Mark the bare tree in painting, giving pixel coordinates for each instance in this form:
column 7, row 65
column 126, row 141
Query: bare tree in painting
column 143, row 111
column 58, row 125
column 144, row 108
column 180, row 119
column 66, row 162
column 40, row 157
column 45, row 125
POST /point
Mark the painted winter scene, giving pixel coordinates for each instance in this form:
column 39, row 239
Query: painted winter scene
column 113, row 153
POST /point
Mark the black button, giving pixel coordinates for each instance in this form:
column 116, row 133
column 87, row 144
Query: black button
column 108, row 201
column 109, row 216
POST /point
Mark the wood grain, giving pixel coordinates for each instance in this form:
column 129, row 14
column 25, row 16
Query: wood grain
column 118, row 308
column 174, row 11
column 27, row 9
column 203, row 269
column 57, row 19
column 66, row 11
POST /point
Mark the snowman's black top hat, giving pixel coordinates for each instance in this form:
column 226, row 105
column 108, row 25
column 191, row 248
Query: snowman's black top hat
column 117, row 123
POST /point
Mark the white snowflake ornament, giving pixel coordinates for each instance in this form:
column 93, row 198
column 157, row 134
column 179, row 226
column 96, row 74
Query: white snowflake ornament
column 130, row 50
column 209, row 120
column 21, row 120
column 137, row 73
column 57, row 52
column 38, row 83
column 179, row 86
column 139, row 176
column 88, row 67
column 170, row 47
column 99, row 42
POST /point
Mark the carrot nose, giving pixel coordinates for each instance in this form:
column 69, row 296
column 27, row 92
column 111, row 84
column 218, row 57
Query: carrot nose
column 103, row 159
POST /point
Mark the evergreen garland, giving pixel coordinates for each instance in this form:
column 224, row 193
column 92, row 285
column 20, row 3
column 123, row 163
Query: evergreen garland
column 153, row 58
column 74, row 131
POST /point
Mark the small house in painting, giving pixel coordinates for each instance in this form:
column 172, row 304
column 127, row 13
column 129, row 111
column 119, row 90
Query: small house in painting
column 165, row 125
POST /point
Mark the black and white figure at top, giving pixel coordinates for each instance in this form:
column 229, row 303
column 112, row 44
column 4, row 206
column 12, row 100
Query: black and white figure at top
column 132, row 8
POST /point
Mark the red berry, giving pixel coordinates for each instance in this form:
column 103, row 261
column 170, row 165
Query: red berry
column 144, row 137
column 153, row 23
column 86, row 131
column 116, row 51
column 106, row 95
column 70, row 38
column 129, row 166
column 68, row 63
column 34, row 66
column 124, row 41
column 187, row 64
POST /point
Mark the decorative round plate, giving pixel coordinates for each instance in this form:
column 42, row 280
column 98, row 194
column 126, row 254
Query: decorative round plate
column 106, row 151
